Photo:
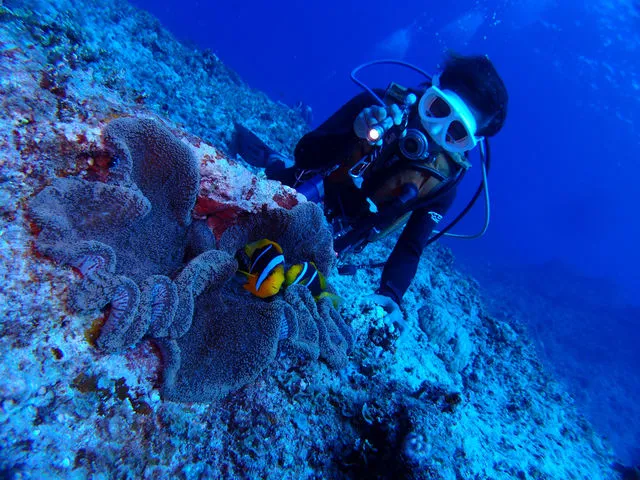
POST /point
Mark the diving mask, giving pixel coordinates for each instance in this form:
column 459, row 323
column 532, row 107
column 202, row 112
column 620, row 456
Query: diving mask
column 448, row 120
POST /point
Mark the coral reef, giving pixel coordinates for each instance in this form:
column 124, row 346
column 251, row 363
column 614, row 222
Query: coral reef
column 573, row 320
column 316, row 330
column 451, row 343
column 235, row 335
column 228, row 192
column 127, row 236
column 302, row 232
column 230, row 342
column 402, row 405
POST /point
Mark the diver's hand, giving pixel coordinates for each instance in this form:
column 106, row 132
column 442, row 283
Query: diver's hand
column 379, row 118
column 393, row 313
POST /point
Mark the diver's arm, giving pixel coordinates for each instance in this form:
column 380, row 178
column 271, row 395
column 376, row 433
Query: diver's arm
column 334, row 140
column 403, row 262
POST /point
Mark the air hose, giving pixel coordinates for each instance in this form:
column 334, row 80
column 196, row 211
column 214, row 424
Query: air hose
column 485, row 160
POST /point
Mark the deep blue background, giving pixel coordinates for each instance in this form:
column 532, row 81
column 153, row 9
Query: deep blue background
column 564, row 182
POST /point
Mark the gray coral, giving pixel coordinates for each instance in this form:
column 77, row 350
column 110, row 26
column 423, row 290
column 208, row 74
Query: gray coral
column 234, row 335
column 335, row 337
column 158, row 163
column 319, row 330
column 304, row 235
column 122, row 314
column 232, row 338
column 303, row 335
column 302, row 232
column 213, row 267
column 157, row 274
column 126, row 236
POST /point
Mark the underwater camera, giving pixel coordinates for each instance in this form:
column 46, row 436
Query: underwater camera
column 414, row 145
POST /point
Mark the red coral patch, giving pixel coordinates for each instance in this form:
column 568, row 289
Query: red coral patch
column 286, row 200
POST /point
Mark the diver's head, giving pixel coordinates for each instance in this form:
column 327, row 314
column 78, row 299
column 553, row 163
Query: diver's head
column 467, row 101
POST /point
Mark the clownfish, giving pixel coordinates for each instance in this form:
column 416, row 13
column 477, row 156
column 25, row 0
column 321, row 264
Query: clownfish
column 306, row 274
column 265, row 273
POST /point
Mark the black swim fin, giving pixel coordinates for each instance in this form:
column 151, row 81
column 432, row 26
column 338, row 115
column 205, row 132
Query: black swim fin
column 257, row 153
column 252, row 150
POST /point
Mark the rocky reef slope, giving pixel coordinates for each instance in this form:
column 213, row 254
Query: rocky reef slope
column 457, row 394
column 585, row 330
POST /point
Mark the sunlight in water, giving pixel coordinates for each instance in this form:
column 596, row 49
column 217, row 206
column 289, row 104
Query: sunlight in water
column 395, row 45
column 459, row 32
column 527, row 12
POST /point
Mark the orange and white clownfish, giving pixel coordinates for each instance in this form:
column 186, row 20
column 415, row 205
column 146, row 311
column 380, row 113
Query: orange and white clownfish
column 265, row 274
column 307, row 274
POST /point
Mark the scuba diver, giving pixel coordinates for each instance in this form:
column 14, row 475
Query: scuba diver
column 394, row 156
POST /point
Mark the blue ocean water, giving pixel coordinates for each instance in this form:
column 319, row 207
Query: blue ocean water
column 564, row 174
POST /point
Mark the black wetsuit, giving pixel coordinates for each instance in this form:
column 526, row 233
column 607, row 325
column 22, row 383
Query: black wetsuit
column 332, row 142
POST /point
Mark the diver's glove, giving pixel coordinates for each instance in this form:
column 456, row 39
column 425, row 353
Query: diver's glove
column 378, row 119
column 393, row 313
